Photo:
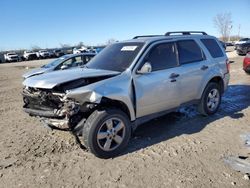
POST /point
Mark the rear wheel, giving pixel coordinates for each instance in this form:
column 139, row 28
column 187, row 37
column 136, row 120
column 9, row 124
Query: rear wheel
column 106, row 132
column 211, row 99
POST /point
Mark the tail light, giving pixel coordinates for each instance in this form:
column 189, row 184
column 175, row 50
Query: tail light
column 228, row 65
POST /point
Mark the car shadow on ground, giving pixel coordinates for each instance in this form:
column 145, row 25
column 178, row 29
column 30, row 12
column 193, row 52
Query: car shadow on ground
column 188, row 120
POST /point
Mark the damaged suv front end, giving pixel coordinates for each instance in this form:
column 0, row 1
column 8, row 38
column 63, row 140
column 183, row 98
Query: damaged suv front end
column 50, row 106
column 53, row 102
column 65, row 99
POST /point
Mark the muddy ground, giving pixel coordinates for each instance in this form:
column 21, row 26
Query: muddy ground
column 178, row 150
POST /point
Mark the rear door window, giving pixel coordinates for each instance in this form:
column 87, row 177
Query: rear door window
column 162, row 56
column 213, row 47
column 189, row 52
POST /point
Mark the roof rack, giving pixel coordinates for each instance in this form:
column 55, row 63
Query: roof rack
column 185, row 33
column 143, row 36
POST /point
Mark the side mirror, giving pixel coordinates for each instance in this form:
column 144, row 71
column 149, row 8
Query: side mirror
column 146, row 68
column 64, row 67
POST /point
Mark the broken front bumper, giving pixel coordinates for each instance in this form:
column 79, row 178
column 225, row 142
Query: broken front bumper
column 50, row 107
column 42, row 113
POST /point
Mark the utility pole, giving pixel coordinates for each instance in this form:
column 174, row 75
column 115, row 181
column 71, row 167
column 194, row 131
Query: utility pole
column 230, row 28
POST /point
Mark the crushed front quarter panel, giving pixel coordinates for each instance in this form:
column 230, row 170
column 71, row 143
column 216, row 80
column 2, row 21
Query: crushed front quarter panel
column 117, row 88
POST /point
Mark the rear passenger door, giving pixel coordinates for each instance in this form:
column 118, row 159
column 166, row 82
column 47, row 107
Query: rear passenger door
column 194, row 67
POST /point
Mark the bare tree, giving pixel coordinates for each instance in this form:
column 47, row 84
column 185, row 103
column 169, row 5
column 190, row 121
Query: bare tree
column 223, row 23
column 110, row 41
column 80, row 44
column 35, row 48
column 64, row 45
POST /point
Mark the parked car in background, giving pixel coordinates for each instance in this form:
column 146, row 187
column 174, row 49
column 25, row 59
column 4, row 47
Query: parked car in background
column 229, row 44
column 241, row 41
column 51, row 53
column 243, row 49
column 130, row 83
column 62, row 63
column 246, row 63
column 11, row 57
column 80, row 50
column 223, row 44
column 43, row 54
column 29, row 55
column 58, row 53
column 2, row 58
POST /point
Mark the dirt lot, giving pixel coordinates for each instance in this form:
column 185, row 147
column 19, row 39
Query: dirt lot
column 177, row 150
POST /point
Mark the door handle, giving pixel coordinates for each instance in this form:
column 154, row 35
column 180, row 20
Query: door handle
column 204, row 67
column 173, row 75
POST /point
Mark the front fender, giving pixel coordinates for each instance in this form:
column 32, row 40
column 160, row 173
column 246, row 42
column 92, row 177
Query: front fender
column 117, row 88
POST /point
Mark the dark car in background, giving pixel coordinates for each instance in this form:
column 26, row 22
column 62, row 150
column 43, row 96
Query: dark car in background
column 57, row 53
column 62, row 63
column 1, row 58
column 241, row 41
column 229, row 44
column 243, row 49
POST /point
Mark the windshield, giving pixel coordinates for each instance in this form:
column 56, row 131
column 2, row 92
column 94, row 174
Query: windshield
column 54, row 63
column 116, row 57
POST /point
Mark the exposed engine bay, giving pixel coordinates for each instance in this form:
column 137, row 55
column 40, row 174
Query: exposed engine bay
column 54, row 109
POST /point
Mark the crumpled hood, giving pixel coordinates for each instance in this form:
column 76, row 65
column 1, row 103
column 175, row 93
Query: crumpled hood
column 52, row 79
column 34, row 72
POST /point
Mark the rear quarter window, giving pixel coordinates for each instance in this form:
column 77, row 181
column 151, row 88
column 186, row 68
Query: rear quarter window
column 213, row 47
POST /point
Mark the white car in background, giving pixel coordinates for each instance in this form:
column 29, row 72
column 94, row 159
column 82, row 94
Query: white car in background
column 80, row 50
column 11, row 57
column 68, row 61
column 29, row 55
column 42, row 54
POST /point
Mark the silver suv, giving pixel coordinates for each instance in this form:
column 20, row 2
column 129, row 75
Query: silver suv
column 129, row 83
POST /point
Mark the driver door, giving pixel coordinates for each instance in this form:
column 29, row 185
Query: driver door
column 158, row 90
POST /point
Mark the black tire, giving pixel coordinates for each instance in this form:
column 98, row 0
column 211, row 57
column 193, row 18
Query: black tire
column 247, row 70
column 203, row 106
column 93, row 126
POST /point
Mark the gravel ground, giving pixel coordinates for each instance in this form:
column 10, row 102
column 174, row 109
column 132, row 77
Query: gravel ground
column 178, row 150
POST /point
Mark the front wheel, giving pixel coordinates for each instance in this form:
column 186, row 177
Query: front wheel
column 210, row 100
column 106, row 132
